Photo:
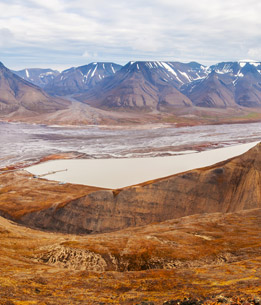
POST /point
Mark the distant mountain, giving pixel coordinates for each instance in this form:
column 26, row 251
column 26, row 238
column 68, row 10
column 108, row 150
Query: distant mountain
column 148, row 85
column 214, row 91
column 153, row 85
column 248, row 86
column 234, row 67
column 37, row 76
column 227, row 84
column 20, row 97
column 80, row 79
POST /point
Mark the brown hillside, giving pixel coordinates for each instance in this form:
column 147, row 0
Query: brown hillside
column 21, row 98
column 137, row 86
column 229, row 186
column 213, row 258
column 215, row 91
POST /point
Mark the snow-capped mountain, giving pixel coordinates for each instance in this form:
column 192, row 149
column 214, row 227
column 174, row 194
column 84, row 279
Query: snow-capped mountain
column 156, row 84
column 160, row 85
column 22, row 98
column 228, row 84
column 150, row 85
column 234, row 68
column 80, row 79
column 37, row 76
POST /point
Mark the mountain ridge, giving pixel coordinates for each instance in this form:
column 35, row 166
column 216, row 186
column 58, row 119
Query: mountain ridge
column 18, row 96
column 160, row 85
column 162, row 90
column 80, row 79
column 37, row 76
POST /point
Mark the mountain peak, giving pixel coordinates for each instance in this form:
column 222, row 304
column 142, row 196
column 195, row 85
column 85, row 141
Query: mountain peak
column 249, row 68
column 247, row 61
column 82, row 78
column 2, row 66
column 21, row 97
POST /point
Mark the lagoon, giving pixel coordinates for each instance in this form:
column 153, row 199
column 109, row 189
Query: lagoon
column 118, row 173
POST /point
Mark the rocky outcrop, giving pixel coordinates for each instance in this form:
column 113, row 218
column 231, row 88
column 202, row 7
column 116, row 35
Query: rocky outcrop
column 165, row 245
column 229, row 186
column 69, row 258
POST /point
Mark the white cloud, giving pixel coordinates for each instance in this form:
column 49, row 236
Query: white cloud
column 255, row 53
column 90, row 56
column 159, row 29
column 6, row 37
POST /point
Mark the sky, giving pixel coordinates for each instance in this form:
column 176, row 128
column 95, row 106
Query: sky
column 60, row 34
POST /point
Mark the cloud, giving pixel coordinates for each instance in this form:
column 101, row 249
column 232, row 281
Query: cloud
column 6, row 37
column 254, row 53
column 90, row 56
column 77, row 31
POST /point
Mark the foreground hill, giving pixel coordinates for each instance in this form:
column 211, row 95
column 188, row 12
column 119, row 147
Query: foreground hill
column 229, row 186
column 19, row 97
column 210, row 256
column 152, row 264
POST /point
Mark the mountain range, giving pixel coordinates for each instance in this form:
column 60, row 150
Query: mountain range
column 227, row 85
column 80, row 79
column 142, row 87
column 161, row 85
column 155, row 85
column 150, row 85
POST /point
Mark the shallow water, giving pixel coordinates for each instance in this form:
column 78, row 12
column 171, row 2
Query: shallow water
column 28, row 143
column 117, row 173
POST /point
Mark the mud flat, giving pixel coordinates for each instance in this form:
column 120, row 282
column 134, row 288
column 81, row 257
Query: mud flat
column 28, row 144
column 118, row 173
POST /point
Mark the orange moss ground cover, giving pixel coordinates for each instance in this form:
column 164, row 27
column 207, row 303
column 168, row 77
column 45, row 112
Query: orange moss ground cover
column 232, row 238
column 20, row 193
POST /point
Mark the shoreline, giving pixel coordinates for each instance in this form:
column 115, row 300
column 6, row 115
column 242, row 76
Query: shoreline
column 125, row 172
column 30, row 144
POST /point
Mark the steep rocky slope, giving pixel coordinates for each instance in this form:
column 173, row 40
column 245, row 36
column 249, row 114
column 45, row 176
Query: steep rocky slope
column 228, row 84
column 139, row 85
column 248, row 87
column 19, row 97
column 164, row 85
column 229, row 186
column 80, row 79
column 215, row 91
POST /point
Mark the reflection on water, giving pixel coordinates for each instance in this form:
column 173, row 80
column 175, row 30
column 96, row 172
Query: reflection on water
column 117, row 173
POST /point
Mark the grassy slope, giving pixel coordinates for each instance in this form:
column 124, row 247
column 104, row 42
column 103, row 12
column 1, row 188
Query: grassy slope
column 214, row 254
